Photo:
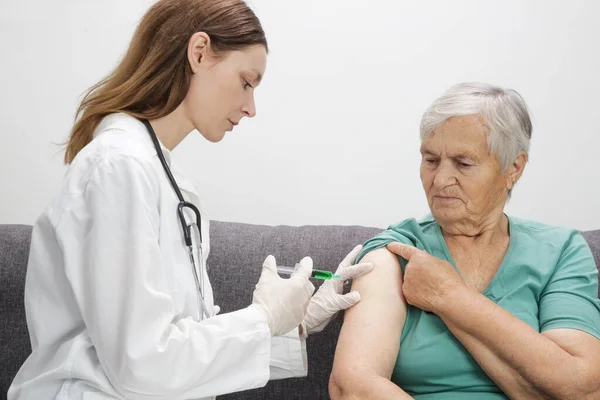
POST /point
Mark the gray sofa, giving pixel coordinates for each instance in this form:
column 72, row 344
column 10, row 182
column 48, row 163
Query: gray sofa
column 237, row 252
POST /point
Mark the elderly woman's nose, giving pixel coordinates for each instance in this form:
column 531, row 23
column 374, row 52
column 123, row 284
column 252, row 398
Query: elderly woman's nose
column 445, row 176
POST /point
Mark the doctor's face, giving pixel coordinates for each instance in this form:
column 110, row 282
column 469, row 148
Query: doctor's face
column 221, row 90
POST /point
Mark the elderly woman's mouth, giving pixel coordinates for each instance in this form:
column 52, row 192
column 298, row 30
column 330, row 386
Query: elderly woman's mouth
column 445, row 198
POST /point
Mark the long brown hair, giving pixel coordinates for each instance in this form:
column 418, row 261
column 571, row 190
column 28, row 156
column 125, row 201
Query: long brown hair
column 153, row 77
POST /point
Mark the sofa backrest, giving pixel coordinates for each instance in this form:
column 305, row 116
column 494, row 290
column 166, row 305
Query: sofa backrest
column 237, row 253
column 14, row 337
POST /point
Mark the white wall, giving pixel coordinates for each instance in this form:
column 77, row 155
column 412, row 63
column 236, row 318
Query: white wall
column 336, row 136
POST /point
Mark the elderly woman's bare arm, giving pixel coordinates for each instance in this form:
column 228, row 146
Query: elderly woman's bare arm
column 556, row 364
column 369, row 340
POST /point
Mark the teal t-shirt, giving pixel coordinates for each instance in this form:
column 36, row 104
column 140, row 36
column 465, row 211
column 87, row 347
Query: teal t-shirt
column 548, row 279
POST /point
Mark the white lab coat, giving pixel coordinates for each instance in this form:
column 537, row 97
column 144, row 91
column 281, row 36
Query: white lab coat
column 110, row 297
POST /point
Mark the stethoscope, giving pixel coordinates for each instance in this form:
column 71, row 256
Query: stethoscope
column 187, row 228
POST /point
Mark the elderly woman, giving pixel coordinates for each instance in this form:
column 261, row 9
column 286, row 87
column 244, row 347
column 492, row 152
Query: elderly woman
column 469, row 303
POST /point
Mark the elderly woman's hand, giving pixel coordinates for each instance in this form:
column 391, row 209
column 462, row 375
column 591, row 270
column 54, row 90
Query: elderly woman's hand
column 427, row 280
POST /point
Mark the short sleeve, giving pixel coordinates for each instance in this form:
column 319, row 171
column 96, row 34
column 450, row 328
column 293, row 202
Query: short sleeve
column 407, row 232
column 570, row 299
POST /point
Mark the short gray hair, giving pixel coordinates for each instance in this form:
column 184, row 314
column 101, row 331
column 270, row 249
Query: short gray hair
column 503, row 111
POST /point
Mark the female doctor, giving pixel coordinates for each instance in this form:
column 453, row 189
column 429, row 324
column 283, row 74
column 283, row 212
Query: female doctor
column 117, row 297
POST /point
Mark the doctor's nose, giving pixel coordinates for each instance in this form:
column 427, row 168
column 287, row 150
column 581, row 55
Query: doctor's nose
column 249, row 109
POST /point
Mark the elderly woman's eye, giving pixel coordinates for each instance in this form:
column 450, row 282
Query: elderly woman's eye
column 430, row 161
column 463, row 165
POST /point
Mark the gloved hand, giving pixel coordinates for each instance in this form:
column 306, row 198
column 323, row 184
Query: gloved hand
column 284, row 301
column 328, row 300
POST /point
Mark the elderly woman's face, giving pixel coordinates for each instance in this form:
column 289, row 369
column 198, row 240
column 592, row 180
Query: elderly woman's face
column 462, row 180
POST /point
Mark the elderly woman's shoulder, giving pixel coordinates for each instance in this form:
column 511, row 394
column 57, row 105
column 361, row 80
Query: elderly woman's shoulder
column 543, row 232
column 412, row 223
column 416, row 232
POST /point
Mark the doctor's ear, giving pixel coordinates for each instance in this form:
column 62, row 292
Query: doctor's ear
column 198, row 51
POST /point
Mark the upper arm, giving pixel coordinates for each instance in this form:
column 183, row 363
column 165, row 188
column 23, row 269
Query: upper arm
column 569, row 311
column 570, row 298
column 577, row 343
column 369, row 340
column 585, row 348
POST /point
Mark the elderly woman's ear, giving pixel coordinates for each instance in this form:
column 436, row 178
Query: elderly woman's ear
column 515, row 170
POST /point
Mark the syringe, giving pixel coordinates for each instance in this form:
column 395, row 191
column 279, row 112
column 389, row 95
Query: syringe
column 316, row 273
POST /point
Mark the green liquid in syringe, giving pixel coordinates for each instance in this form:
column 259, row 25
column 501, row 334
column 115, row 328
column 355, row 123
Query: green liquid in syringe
column 326, row 275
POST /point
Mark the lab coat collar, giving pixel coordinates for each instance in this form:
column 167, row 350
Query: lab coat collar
column 132, row 125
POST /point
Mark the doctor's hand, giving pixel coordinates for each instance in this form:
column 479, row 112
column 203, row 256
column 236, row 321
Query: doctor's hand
column 427, row 279
column 284, row 301
column 329, row 300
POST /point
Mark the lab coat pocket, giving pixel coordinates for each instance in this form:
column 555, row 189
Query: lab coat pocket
column 186, row 297
column 165, row 280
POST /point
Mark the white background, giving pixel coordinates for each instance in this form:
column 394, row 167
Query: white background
column 335, row 140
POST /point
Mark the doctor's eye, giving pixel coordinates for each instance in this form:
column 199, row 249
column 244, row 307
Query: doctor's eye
column 246, row 84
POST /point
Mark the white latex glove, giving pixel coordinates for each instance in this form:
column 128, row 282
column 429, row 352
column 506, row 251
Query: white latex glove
column 328, row 300
column 284, row 301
